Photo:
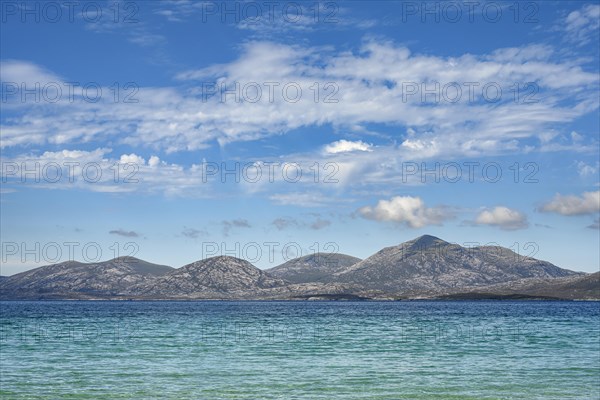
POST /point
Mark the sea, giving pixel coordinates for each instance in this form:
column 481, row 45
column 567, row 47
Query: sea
column 299, row 350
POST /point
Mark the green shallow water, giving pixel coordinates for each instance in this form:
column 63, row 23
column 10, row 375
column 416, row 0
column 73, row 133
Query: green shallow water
column 300, row 350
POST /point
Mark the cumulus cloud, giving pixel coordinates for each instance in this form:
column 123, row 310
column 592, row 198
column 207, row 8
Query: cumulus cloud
column 344, row 146
column 154, row 161
column 124, row 233
column 406, row 210
column 502, row 217
column 587, row 203
column 132, row 159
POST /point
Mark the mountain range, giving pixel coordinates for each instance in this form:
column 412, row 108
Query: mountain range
column 426, row 267
column 73, row 279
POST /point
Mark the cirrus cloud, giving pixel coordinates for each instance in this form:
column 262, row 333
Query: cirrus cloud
column 582, row 25
column 371, row 85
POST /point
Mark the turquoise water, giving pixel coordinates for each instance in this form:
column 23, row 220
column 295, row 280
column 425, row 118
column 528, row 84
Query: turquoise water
column 300, row 350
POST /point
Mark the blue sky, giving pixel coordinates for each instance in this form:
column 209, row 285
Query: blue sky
column 125, row 126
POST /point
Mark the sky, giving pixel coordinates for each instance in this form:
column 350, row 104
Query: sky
column 175, row 131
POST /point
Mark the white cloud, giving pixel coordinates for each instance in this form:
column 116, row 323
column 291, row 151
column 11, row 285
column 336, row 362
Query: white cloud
column 98, row 172
column 292, row 180
column 369, row 87
column 154, row 161
column 408, row 210
column 582, row 25
column 264, row 20
column 587, row 203
column 502, row 217
column 26, row 73
column 584, row 169
column 132, row 159
column 344, row 146
column 421, row 148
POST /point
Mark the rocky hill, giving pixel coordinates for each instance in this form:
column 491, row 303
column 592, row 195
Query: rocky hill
column 221, row 277
column 574, row 287
column 318, row 267
column 428, row 265
column 76, row 280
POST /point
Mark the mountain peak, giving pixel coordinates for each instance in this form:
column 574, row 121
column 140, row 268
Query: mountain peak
column 125, row 259
column 425, row 241
column 314, row 267
column 221, row 262
column 225, row 258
